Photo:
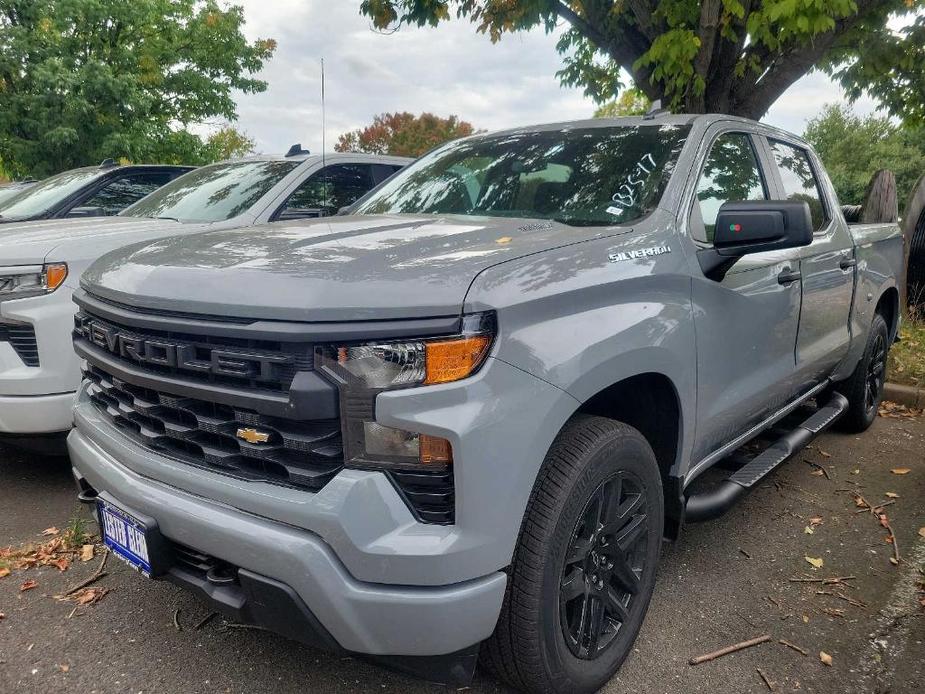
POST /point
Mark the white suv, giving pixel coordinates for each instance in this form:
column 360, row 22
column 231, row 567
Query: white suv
column 41, row 262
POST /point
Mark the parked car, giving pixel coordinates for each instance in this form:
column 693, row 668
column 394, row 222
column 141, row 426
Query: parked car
column 460, row 420
column 40, row 263
column 8, row 190
column 92, row 191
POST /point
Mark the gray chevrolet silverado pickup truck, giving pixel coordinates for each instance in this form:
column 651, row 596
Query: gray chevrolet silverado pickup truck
column 459, row 420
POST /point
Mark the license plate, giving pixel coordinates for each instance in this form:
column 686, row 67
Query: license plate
column 126, row 536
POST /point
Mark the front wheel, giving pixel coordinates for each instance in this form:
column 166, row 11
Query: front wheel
column 864, row 388
column 584, row 567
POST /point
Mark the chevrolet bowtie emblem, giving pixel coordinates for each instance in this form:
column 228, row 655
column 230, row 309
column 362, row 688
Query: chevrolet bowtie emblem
column 253, row 436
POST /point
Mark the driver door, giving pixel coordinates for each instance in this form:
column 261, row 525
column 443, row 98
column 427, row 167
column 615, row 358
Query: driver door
column 746, row 324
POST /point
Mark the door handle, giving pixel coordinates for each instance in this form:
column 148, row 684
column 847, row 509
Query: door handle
column 789, row 276
column 848, row 263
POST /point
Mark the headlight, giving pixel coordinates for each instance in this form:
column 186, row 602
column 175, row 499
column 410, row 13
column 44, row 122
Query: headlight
column 362, row 371
column 20, row 282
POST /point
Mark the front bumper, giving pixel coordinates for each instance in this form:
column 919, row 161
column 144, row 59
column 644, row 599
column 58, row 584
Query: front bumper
column 36, row 414
column 360, row 616
column 39, row 399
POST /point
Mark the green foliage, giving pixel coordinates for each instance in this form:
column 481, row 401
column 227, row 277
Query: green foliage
column 83, row 80
column 727, row 56
column 184, row 147
column 404, row 134
column 853, row 148
column 631, row 102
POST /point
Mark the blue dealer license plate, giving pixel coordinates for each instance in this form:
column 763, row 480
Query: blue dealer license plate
column 126, row 536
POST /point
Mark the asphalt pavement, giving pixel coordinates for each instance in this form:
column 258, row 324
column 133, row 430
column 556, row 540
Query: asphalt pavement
column 725, row 582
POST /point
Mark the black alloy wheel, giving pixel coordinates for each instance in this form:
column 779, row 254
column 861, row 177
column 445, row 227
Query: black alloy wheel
column 603, row 565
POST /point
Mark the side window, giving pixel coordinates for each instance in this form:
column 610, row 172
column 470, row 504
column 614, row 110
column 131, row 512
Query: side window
column 384, row 171
column 121, row 192
column 730, row 174
column 799, row 179
column 326, row 191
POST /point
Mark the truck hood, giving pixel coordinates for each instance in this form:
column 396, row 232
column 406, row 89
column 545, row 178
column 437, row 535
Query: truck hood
column 363, row 267
column 63, row 240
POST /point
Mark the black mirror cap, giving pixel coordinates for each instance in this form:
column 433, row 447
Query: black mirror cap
column 756, row 226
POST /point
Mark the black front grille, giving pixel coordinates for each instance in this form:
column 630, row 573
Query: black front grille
column 430, row 495
column 294, row 453
column 233, row 361
column 21, row 337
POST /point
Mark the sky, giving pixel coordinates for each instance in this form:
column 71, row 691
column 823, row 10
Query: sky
column 448, row 70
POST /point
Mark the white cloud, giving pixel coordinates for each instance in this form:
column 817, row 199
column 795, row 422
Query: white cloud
column 447, row 70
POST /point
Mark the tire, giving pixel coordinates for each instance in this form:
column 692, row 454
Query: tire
column 540, row 643
column 864, row 388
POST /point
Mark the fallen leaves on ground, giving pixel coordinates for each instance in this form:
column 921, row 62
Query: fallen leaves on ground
column 922, row 532
column 64, row 667
column 815, row 520
column 88, row 596
column 4, row 572
column 816, row 563
column 896, row 411
column 825, row 658
column 50, row 531
column 28, row 585
column 2, row 615
column 54, row 552
column 900, row 471
column 891, row 495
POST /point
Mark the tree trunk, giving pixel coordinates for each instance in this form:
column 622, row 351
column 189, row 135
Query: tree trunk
column 880, row 204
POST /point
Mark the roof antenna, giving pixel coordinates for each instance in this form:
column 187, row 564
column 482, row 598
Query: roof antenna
column 655, row 110
column 296, row 150
column 324, row 173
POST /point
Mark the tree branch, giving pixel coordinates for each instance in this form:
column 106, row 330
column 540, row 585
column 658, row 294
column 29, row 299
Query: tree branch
column 624, row 54
column 753, row 99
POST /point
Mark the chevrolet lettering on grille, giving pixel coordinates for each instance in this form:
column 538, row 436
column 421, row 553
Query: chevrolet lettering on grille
column 196, row 358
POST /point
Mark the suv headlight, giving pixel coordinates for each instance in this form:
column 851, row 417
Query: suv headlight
column 23, row 281
column 362, row 371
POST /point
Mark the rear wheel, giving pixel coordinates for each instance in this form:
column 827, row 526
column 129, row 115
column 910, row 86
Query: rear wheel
column 864, row 388
column 584, row 567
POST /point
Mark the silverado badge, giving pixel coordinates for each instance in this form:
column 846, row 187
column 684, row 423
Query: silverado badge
column 253, row 436
column 638, row 253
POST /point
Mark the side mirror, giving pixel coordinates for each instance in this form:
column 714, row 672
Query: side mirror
column 87, row 212
column 755, row 226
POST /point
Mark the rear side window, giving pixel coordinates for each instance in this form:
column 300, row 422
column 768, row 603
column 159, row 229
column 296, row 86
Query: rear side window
column 384, row 171
column 331, row 188
column 799, row 179
column 730, row 174
column 118, row 194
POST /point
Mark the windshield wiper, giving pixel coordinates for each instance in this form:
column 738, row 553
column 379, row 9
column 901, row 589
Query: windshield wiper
column 172, row 219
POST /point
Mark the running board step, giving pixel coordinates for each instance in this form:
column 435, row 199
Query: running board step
column 714, row 503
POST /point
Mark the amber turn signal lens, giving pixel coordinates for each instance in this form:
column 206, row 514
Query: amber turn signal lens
column 451, row 360
column 434, row 450
column 55, row 275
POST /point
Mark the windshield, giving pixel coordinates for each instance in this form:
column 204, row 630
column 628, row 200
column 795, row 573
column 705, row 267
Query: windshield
column 595, row 176
column 8, row 191
column 46, row 194
column 213, row 193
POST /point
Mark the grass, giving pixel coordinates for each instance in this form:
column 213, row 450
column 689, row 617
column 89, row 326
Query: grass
column 75, row 534
column 907, row 357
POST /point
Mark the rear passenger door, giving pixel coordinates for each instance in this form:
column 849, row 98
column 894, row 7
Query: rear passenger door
column 746, row 324
column 827, row 266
